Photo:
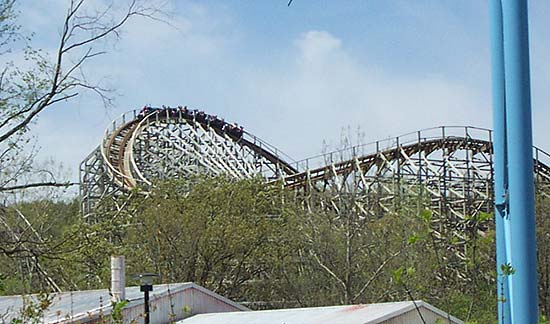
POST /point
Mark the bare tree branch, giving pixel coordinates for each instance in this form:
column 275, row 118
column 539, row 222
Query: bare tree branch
column 97, row 30
column 330, row 272
column 38, row 184
column 110, row 30
column 375, row 275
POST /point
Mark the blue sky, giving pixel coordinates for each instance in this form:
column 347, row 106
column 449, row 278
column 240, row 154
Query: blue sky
column 297, row 76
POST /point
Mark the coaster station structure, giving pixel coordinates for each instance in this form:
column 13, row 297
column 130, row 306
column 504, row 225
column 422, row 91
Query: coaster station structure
column 448, row 169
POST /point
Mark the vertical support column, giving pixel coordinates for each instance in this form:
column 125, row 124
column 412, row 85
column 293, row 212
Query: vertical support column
column 524, row 307
column 118, row 278
column 419, row 176
column 499, row 158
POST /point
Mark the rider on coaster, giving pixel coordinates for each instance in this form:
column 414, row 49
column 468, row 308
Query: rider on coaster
column 143, row 112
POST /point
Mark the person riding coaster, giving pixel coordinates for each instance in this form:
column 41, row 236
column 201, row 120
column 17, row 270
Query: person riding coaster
column 233, row 130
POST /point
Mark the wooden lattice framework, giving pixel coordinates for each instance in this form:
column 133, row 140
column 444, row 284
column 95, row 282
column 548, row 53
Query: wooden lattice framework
column 448, row 170
column 166, row 145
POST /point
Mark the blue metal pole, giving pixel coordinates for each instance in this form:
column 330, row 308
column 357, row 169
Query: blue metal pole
column 524, row 306
column 499, row 157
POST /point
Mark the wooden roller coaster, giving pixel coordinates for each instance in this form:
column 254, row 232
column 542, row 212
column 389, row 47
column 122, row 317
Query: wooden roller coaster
column 448, row 169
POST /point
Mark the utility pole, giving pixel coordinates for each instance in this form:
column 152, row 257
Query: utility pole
column 513, row 156
column 499, row 158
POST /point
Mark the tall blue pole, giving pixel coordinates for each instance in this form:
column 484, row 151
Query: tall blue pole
column 499, row 158
column 521, row 192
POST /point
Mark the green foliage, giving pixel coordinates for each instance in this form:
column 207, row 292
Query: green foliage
column 413, row 238
column 217, row 232
column 426, row 216
column 507, row 269
column 38, row 237
column 2, row 283
column 542, row 213
column 33, row 309
column 253, row 242
column 187, row 310
column 400, row 275
column 116, row 312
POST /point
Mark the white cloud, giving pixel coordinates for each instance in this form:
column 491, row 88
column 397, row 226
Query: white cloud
column 294, row 97
column 316, row 47
column 153, row 63
column 324, row 89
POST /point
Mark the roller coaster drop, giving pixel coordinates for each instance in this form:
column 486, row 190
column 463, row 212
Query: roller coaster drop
column 171, row 143
column 451, row 168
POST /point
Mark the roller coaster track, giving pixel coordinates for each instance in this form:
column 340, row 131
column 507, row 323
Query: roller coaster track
column 453, row 164
column 167, row 144
column 448, row 169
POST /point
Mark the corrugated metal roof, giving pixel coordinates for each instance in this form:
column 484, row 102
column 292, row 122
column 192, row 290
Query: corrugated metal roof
column 353, row 314
column 87, row 303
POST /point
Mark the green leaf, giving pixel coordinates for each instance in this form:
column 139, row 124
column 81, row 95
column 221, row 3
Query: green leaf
column 426, row 215
column 507, row 269
column 413, row 238
column 398, row 275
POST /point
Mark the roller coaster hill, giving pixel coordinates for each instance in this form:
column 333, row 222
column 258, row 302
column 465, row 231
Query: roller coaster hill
column 451, row 167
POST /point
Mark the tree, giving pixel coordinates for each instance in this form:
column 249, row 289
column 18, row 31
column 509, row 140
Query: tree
column 26, row 92
column 33, row 237
column 219, row 232
column 344, row 256
column 543, row 249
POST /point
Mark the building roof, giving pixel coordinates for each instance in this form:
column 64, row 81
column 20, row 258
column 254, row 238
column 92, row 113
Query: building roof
column 67, row 307
column 352, row 314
